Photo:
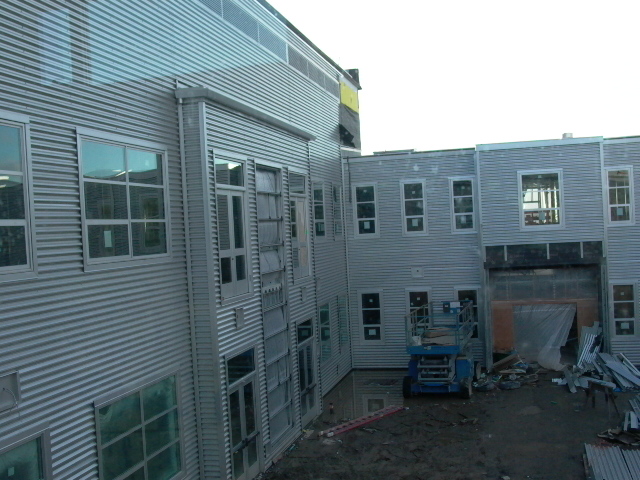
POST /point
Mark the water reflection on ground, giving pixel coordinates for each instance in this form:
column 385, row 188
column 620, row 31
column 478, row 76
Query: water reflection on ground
column 362, row 392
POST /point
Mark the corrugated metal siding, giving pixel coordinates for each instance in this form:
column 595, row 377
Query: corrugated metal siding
column 447, row 260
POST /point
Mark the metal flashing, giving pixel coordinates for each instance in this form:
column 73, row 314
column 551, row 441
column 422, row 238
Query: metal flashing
column 614, row 140
column 416, row 155
column 238, row 105
column 538, row 143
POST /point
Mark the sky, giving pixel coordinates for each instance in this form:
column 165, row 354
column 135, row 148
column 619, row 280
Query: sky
column 440, row 74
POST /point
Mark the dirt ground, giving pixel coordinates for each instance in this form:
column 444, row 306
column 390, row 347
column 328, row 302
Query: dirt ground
column 535, row 432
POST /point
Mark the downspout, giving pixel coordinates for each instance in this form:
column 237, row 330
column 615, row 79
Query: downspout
column 192, row 322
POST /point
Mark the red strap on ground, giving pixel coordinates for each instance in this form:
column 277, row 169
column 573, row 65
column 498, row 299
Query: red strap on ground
column 358, row 422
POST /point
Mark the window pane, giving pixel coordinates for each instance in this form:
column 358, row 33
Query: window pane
column 161, row 432
column 623, row 292
column 620, row 214
column 619, row 178
column 105, row 201
column 224, row 227
column 119, row 417
column 364, row 194
column 149, row 238
column 229, row 173
column 103, row 161
column 619, row 195
column 540, row 181
column 414, row 207
column 320, row 229
column 625, row 328
column 418, row 299
column 145, row 167
column 372, row 333
column 366, row 210
column 413, row 190
column 415, row 224
column 318, row 194
column 370, row 300
column 623, row 310
column 468, row 296
column 166, row 464
column 137, row 475
column 108, row 240
column 249, row 415
column 238, row 226
column 462, row 205
column 13, row 246
column 461, row 188
column 11, row 197
column 370, row 317
column 464, row 221
column 122, row 455
column 241, row 268
column 305, row 330
column 234, row 415
column 225, row 270
column 25, row 462
column 10, row 149
column 296, row 183
column 240, row 365
column 238, row 463
column 159, row 397
column 318, row 212
column 147, row 203
column 366, row 226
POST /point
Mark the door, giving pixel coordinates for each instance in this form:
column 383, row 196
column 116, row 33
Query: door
column 306, row 372
column 244, row 433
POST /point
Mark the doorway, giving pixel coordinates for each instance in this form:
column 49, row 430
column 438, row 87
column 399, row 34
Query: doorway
column 244, row 433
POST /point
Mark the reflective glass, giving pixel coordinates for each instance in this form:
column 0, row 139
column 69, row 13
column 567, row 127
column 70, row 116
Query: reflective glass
column 370, row 317
column 24, row 462
column 463, row 204
column 225, row 270
column 413, row 190
column 370, row 300
column 161, row 432
column 318, row 194
column 234, row 416
column 238, row 226
column 10, row 148
column 165, row 464
column 415, row 224
column 137, row 475
column 540, row 181
column 240, row 365
column 318, row 212
column 229, row 173
column 119, row 417
column 149, row 238
column 108, row 240
column 147, row 203
column 159, row 397
column 365, row 194
column 11, row 197
column 623, row 310
column 13, row 246
column 105, row 201
column 250, row 419
column 122, row 455
column 625, row 328
column 620, row 213
column 103, row 161
column 623, row 292
column 372, row 333
column 238, row 463
column 241, row 267
column 618, row 195
column 464, row 221
column 305, row 330
column 413, row 207
column 461, row 188
column 366, row 210
column 619, row 178
column 144, row 167
column 418, row 299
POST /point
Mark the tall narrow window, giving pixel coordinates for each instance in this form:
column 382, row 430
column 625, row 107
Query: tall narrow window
column 624, row 311
column 337, row 211
column 139, row 435
column 14, row 200
column 26, row 461
column 462, row 205
column 371, row 316
column 124, row 192
column 318, row 210
column 232, row 243
column 325, row 332
column 471, row 296
column 55, row 47
column 619, row 186
column 299, row 229
column 365, row 209
column 414, row 220
column 541, row 198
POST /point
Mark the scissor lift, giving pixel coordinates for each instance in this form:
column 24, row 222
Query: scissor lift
column 438, row 340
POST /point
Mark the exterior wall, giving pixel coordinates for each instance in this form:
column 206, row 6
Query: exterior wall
column 444, row 259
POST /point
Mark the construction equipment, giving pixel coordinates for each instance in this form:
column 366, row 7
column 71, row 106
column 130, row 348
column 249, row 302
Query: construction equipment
column 438, row 340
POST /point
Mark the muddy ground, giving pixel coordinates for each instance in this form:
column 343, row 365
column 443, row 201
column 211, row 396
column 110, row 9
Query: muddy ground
column 535, row 432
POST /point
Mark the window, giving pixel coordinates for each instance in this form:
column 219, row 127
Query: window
column 232, row 242
column 365, row 209
column 470, row 295
column 462, row 205
column 26, row 459
column 325, row 332
column 55, row 47
column 298, row 218
column 15, row 244
column 337, row 211
column 124, row 190
column 620, row 188
column 139, row 435
column 624, row 312
column 414, row 219
column 371, row 316
column 541, row 198
column 318, row 210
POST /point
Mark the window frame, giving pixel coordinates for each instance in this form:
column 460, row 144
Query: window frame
column 319, row 204
column 299, row 272
column 606, row 191
column 97, row 136
column 612, row 302
column 415, row 289
column 41, row 432
column 452, row 198
column 233, row 190
column 30, row 269
column 376, row 217
column 362, row 326
column 561, row 210
column 403, row 200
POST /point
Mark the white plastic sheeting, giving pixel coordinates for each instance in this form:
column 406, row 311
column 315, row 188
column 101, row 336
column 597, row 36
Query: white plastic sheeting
column 541, row 330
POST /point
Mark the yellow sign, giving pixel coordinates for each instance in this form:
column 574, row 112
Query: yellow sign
column 349, row 97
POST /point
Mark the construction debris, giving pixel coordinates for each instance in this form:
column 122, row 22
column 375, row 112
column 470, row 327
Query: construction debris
column 612, row 463
column 358, row 422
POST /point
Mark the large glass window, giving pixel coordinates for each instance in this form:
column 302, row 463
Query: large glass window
column 319, row 210
column 365, row 209
column 14, row 205
column 325, row 332
column 624, row 311
column 24, row 462
column 541, row 198
column 299, row 221
column 124, row 201
column 620, row 194
column 139, row 435
column 462, row 205
column 371, row 316
column 413, row 207
column 232, row 242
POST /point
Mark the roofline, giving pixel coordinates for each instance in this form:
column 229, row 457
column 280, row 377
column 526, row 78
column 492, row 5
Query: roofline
column 304, row 38
column 435, row 153
column 537, row 143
